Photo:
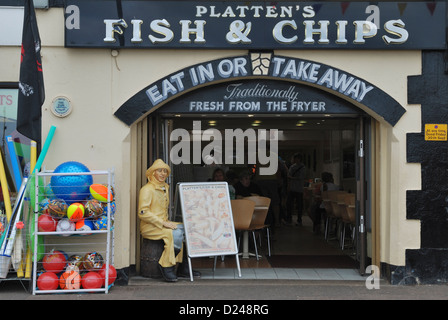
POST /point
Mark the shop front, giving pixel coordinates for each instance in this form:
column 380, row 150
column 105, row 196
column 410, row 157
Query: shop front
column 355, row 88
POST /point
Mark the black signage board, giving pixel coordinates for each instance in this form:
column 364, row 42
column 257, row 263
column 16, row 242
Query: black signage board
column 234, row 70
column 260, row 96
column 261, row 25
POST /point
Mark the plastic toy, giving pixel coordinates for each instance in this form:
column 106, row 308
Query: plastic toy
column 93, row 208
column 93, row 261
column 100, row 223
column 99, row 192
column 48, row 281
column 54, row 261
column 91, row 280
column 112, row 274
column 71, row 188
column 75, row 211
column 74, row 262
column 84, row 225
column 46, row 223
column 57, row 208
column 70, row 280
column 65, row 225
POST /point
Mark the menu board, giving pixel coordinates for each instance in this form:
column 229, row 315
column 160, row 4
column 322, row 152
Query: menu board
column 207, row 218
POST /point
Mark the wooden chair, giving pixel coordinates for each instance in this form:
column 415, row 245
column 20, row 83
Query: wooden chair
column 327, row 196
column 258, row 219
column 242, row 212
column 350, row 201
column 344, row 216
column 337, row 199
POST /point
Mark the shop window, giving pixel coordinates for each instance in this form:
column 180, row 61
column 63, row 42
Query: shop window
column 8, row 123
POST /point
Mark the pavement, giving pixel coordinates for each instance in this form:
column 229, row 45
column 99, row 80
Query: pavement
column 224, row 298
column 262, row 291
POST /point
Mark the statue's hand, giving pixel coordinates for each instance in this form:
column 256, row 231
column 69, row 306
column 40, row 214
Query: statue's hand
column 170, row 225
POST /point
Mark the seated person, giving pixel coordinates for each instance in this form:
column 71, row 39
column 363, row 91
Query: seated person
column 219, row 175
column 154, row 225
column 245, row 187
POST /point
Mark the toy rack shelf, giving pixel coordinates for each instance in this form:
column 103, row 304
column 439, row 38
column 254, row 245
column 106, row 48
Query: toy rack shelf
column 76, row 243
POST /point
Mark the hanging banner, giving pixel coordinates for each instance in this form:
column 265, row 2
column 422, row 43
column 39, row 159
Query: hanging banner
column 255, row 25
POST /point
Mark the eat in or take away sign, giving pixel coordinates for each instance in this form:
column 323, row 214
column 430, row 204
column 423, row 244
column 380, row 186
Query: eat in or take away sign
column 255, row 25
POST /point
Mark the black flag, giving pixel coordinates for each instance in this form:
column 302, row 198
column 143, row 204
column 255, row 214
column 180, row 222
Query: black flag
column 31, row 83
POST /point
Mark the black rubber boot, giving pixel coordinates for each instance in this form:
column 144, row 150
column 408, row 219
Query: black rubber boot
column 168, row 273
column 183, row 271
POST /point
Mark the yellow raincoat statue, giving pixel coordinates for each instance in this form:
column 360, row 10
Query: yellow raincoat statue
column 154, row 223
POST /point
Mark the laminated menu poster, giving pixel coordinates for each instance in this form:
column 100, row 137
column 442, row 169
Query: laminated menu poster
column 208, row 220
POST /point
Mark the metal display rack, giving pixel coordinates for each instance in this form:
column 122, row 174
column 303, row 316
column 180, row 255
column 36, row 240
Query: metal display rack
column 76, row 243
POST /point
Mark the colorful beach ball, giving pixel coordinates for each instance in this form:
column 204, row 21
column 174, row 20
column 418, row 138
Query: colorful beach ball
column 75, row 211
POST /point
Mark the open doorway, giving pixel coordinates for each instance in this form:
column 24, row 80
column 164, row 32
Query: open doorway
column 327, row 144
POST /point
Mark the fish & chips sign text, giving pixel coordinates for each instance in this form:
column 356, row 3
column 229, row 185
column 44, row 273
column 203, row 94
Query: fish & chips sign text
column 254, row 25
column 240, row 31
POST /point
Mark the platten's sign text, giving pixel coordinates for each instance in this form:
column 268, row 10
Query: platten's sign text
column 255, row 25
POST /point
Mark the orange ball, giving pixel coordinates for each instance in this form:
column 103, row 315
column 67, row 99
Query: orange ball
column 99, row 192
column 70, row 280
column 75, row 211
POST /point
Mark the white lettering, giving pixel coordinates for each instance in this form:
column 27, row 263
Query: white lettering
column 136, row 31
column 322, row 30
column 198, row 31
column 113, row 26
column 278, row 31
column 257, row 143
column 161, row 27
column 396, row 27
column 72, row 21
column 364, row 29
column 373, row 281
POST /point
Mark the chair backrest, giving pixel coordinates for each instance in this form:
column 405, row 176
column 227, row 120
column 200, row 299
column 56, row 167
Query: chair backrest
column 327, row 202
column 351, row 211
column 242, row 212
column 260, row 211
column 259, row 217
column 350, row 199
column 343, row 207
column 259, row 201
column 336, row 197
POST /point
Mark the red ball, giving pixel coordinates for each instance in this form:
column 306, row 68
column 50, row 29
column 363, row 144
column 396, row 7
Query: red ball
column 91, row 280
column 54, row 261
column 46, row 223
column 112, row 274
column 48, row 281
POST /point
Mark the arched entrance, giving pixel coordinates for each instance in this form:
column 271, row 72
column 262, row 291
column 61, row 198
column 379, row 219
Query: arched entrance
column 321, row 111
